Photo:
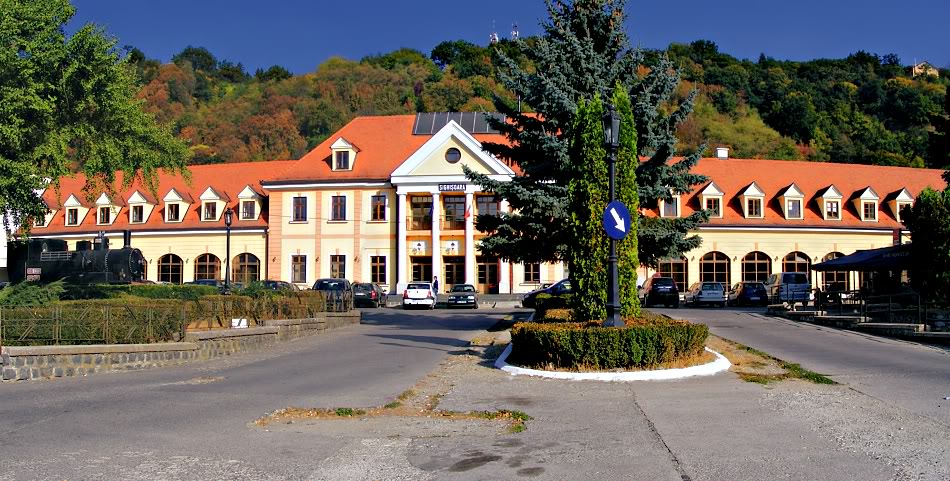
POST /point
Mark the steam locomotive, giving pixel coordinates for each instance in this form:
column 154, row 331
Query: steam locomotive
column 93, row 262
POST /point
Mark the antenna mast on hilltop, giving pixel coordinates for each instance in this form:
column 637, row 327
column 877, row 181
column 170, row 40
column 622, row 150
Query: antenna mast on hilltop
column 493, row 38
column 514, row 31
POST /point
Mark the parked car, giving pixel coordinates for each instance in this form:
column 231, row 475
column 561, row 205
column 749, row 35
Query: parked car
column 368, row 294
column 222, row 288
column 463, row 295
column 418, row 294
column 748, row 294
column 706, row 293
column 660, row 290
column 789, row 287
column 332, row 284
column 279, row 285
column 559, row 289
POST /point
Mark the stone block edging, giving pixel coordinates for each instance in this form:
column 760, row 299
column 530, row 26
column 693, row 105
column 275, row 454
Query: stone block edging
column 719, row 365
column 97, row 349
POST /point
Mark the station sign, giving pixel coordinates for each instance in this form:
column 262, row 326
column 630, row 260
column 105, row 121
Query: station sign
column 451, row 187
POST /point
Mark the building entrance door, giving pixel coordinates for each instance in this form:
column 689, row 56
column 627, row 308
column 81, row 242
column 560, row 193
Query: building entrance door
column 421, row 268
column 487, row 278
column 454, row 271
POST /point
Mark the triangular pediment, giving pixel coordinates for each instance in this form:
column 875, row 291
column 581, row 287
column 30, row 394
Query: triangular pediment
column 73, row 201
column 903, row 195
column 210, row 194
column 174, row 196
column 868, row 194
column 792, row 191
column 753, row 190
column 343, row 144
column 138, row 197
column 830, row 193
column 249, row 193
column 712, row 190
column 437, row 157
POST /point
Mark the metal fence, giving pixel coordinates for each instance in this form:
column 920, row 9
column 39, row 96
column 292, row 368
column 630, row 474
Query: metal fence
column 154, row 320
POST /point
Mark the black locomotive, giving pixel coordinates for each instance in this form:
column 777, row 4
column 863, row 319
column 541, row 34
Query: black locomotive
column 49, row 260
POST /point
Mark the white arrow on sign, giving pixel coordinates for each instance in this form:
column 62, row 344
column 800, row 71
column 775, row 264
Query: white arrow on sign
column 618, row 220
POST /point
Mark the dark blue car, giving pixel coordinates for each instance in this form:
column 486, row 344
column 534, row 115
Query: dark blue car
column 561, row 288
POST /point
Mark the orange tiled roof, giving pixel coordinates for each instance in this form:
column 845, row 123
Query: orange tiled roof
column 812, row 178
column 384, row 143
column 228, row 180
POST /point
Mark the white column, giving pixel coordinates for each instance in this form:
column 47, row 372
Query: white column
column 470, row 239
column 436, row 248
column 402, row 260
column 504, row 270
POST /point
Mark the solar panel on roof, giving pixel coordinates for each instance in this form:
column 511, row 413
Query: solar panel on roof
column 428, row 123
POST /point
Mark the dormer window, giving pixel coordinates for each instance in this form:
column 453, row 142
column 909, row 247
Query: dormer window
column 72, row 216
column 711, row 198
column 248, row 209
column 754, row 207
column 832, row 210
column 138, row 214
column 899, row 201
column 794, row 208
column 343, row 155
column 866, row 204
column 753, row 201
column 869, row 211
column 105, row 215
column 670, row 208
column 210, row 211
column 172, row 213
column 39, row 222
column 341, row 160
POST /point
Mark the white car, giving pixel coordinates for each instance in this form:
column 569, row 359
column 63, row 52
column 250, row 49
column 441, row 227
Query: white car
column 418, row 294
column 707, row 293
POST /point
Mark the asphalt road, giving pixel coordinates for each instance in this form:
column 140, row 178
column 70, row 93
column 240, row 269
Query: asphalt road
column 912, row 376
column 191, row 421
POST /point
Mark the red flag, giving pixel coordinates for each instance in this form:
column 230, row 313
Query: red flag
column 468, row 211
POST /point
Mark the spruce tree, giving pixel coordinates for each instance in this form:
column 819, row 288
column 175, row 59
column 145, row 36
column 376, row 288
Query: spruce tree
column 583, row 52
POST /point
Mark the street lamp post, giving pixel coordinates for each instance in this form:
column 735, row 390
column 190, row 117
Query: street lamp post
column 228, row 216
column 611, row 143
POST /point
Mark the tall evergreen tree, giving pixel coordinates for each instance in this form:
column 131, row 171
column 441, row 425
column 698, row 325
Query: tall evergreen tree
column 583, row 52
column 929, row 224
column 586, row 196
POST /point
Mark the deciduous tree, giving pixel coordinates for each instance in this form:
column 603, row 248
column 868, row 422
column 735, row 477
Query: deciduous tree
column 69, row 103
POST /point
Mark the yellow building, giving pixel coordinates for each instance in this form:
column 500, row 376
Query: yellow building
column 181, row 231
column 385, row 200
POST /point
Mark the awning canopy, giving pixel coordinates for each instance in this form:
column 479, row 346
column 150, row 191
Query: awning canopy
column 894, row 258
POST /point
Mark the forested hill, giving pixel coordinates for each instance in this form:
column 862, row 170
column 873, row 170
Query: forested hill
column 862, row 109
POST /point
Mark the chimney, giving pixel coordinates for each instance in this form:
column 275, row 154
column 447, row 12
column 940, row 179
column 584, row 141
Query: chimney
column 126, row 238
column 722, row 153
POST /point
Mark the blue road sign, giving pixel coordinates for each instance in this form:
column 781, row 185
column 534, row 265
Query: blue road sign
column 616, row 220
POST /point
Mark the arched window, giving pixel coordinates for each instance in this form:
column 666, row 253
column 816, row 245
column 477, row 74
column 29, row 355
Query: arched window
column 756, row 267
column 207, row 266
column 714, row 267
column 246, row 268
column 675, row 268
column 170, row 268
column 834, row 280
column 796, row 262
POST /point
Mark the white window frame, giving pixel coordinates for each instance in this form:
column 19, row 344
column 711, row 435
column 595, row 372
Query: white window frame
column 788, row 209
column 132, row 214
column 204, row 211
column 72, row 209
column 837, row 209
column 676, row 199
column 864, row 217
column 254, row 203
column 761, row 202
column 716, row 198
column 99, row 211
column 168, row 206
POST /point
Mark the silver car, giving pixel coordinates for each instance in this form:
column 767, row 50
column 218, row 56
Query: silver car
column 706, row 293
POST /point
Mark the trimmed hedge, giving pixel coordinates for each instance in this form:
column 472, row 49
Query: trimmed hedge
column 148, row 291
column 590, row 346
column 546, row 302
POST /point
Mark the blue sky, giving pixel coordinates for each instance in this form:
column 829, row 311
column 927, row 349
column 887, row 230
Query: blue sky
column 301, row 34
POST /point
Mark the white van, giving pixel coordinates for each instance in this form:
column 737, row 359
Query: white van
column 789, row 287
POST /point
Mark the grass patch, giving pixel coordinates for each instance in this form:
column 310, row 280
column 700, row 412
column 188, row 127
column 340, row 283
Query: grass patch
column 393, row 405
column 753, row 365
column 406, row 395
column 348, row 412
column 798, row 372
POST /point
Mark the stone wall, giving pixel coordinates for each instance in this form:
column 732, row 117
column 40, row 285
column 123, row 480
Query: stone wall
column 18, row 363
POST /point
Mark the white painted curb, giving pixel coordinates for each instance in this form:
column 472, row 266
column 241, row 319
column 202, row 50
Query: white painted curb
column 719, row 365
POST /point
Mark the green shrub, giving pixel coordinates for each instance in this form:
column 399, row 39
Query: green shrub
column 31, row 294
column 589, row 346
column 545, row 302
column 148, row 291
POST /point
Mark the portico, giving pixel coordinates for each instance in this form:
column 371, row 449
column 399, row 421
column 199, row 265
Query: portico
column 437, row 206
